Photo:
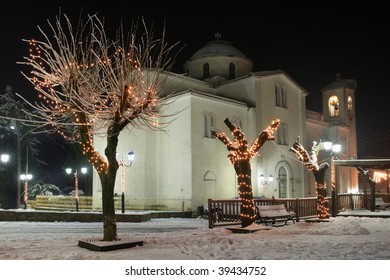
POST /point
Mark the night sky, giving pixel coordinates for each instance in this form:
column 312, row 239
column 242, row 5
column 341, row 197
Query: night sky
column 310, row 43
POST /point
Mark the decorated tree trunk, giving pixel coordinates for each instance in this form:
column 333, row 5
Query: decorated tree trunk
column 322, row 203
column 319, row 172
column 240, row 156
column 243, row 172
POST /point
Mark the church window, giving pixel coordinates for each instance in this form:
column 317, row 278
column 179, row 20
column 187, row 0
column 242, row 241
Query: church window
column 284, row 98
column 209, row 123
column 282, row 134
column 282, row 179
column 280, row 96
column 206, row 70
column 349, row 103
column 334, row 106
column 232, row 71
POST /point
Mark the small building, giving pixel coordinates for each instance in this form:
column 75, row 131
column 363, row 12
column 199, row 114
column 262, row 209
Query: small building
column 181, row 168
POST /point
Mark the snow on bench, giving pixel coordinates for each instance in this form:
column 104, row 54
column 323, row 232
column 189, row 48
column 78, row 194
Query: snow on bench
column 273, row 213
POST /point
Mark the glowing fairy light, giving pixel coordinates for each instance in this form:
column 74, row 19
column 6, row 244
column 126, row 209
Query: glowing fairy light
column 311, row 163
column 240, row 156
column 90, row 85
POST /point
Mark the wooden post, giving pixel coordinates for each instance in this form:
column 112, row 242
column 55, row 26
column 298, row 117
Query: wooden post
column 210, row 214
column 297, row 209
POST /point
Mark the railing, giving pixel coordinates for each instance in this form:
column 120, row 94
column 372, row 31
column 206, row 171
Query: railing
column 45, row 202
column 227, row 212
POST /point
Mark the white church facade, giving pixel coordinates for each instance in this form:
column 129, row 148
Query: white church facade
column 181, row 168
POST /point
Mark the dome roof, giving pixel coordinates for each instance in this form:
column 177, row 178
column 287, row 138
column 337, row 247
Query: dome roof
column 218, row 61
column 218, row 47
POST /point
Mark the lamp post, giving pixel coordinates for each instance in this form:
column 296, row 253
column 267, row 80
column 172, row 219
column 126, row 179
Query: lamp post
column 124, row 162
column 16, row 127
column 83, row 170
column 333, row 148
column 25, row 177
column 266, row 181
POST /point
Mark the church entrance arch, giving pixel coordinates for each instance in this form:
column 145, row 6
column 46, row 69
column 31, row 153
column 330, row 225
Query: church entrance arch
column 284, row 180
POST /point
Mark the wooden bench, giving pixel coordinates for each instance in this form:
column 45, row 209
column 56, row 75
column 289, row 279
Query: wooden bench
column 273, row 213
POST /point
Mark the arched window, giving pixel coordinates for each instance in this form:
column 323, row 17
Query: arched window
column 280, row 96
column 282, row 136
column 209, row 123
column 277, row 95
column 282, row 179
column 334, row 106
column 206, row 70
column 232, row 71
column 284, row 97
column 350, row 103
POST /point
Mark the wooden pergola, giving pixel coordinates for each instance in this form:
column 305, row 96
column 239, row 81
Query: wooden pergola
column 363, row 165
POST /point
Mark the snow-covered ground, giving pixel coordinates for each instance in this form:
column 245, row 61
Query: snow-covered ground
column 342, row 238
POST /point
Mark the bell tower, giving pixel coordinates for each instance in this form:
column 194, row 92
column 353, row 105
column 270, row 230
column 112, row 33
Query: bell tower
column 338, row 102
column 338, row 108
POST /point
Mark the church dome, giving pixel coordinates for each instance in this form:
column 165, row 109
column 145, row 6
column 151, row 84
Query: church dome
column 218, row 61
column 218, row 47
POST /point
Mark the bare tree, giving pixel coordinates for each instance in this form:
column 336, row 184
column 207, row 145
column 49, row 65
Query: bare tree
column 90, row 86
column 319, row 171
column 366, row 176
column 240, row 156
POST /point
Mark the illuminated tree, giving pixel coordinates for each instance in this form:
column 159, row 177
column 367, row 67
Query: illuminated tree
column 91, row 86
column 366, row 176
column 240, row 156
column 319, row 171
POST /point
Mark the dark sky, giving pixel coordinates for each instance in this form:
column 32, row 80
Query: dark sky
column 312, row 43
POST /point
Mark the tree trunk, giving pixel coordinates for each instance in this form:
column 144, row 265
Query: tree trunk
column 107, row 177
column 319, row 176
column 243, row 171
column 109, row 220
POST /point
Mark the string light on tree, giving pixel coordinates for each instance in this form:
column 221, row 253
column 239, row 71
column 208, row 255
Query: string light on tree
column 91, row 86
column 240, row 156
column 25, row 177
column 318, row 170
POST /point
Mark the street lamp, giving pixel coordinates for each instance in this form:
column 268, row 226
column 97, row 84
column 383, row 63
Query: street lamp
column 124, row 162
column 83, row 170
column 266, row 181
column 25, row 178
column 333, row 148
column 4, row 158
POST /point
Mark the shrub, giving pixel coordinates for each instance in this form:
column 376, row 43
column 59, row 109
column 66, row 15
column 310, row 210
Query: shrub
column 43, row 189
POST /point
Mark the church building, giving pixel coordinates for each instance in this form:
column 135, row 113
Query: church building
column 181, row 168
